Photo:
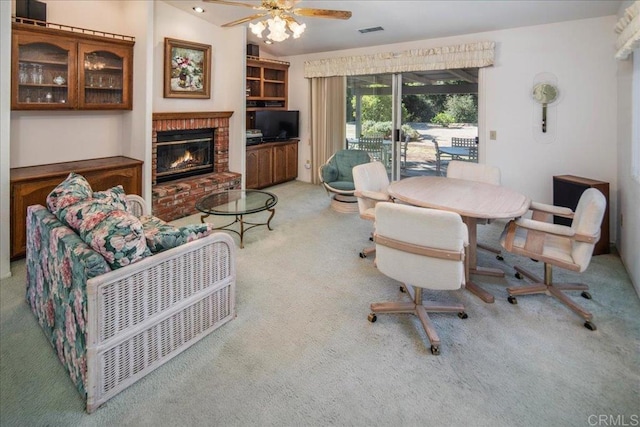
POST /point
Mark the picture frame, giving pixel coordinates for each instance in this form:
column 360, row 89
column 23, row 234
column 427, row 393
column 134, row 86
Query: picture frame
column 187, row 69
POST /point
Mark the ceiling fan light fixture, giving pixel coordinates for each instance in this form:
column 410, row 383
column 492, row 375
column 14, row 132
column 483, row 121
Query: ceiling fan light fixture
column 281, row 20
column 258, row 28
column 296, row 29
column 278, row 28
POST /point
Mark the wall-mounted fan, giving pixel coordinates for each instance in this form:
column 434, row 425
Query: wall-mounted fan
column 280, row 15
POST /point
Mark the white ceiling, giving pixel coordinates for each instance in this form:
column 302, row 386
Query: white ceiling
column 406, row 20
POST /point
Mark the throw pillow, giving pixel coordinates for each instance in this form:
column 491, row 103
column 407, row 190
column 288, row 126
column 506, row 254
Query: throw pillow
column 115, row 234
column 115, row 197
column 161, row 236
column 119, row 238
column 84, row 215
column 72, row 190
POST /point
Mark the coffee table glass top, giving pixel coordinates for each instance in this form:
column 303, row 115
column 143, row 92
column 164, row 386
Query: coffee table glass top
column 237, row 202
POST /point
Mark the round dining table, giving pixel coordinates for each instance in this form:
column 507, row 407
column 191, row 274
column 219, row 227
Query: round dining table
column 472, row 200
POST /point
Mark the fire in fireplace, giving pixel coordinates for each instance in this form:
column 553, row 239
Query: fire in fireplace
column 184, row 153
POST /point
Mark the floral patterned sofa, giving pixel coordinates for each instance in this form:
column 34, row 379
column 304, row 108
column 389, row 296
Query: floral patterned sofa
column 119, row 293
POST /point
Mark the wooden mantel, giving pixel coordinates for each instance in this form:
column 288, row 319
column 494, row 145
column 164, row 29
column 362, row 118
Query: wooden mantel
column 192, row 115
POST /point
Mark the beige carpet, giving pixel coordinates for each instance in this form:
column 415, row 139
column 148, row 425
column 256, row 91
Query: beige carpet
column 302, row 353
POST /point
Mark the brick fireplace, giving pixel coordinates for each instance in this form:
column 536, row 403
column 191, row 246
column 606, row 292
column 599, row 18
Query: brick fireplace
column 176, row 199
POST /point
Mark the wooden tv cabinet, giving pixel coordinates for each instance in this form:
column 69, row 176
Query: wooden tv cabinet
column 271, row 163
column 31, row 185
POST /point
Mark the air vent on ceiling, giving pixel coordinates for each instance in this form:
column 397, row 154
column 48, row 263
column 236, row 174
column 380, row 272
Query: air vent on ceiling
column 371, row 30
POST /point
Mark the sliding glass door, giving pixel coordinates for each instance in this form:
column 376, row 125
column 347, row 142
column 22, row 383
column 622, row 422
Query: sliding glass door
column 415, row 122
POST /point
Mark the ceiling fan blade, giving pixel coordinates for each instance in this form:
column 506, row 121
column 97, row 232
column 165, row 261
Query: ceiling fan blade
column 243, row 20
column 234, row 3
column 322, row 13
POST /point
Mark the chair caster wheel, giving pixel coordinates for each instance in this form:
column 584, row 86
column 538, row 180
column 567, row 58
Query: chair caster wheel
column 371, row 239
column 403, row 290
column 586, row 295
column 462, row 315
column 363, row 255
column 590, row 326
column 435, row 350
column 512, row 299
column 499, row 257
column 519, row 276
column 372, row 317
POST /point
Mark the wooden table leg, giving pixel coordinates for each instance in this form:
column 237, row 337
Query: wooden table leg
column 472, row 264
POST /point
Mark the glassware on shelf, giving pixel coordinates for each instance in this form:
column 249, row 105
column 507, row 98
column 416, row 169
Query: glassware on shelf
column 27, row 96
column 23, row 75
column 33, row 75
column 91, row 81
column 40, row 75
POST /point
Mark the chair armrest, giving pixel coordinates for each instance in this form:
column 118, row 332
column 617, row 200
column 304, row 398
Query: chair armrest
column 136, row 205
column 557, row 230
column 551, row 209
column 373, row 195
column 545, row 227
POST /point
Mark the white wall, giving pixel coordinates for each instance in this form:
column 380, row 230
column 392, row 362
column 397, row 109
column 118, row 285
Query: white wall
column 35, row 137
column 5, row 114
column 578, row 53
column 629, row 189
column 228, row 51
column 629, row 195
column 39, row 137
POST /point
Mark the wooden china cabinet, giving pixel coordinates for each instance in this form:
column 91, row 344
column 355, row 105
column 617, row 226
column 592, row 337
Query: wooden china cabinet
column 56, row 67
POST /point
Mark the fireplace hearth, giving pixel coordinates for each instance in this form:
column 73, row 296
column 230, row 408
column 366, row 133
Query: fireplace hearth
column 184, row 153
column 176, row 196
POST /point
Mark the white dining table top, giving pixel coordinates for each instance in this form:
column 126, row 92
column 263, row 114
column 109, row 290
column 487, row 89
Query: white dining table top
column 467, row 198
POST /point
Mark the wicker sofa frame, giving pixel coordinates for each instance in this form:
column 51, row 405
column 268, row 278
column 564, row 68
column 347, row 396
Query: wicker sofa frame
column 138, row 317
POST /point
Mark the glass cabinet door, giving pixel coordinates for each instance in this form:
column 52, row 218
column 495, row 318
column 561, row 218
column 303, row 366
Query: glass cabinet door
column 43, row 74
column 104, row 77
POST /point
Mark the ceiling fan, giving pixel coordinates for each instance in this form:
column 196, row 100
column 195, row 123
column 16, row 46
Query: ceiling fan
column 280, row 15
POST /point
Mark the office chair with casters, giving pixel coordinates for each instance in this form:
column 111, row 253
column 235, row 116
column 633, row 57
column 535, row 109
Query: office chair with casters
column 479, row 173
column 568, row 247
column 422, row 249
column 371, row 182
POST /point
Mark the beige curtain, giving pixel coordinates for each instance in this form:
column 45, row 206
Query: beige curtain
column 628, row 29
column 470, row 55
column 328, row 118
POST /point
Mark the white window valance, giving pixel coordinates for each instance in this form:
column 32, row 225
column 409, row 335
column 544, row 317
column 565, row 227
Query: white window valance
column 440, row 58
column 628, row 29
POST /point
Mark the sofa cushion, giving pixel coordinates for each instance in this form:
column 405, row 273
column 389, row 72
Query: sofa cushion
column 161, row 236
column 84, row 215
column 114, row 233
column 119, row 238
column 72, row 190
column 115, row 197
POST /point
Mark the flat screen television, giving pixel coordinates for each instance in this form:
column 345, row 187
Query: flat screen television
column 277, row 125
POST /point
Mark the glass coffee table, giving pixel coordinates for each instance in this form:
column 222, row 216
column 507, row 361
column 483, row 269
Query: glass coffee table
column 238, row 203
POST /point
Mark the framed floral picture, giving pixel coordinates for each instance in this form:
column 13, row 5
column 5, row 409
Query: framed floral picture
column 187, row 69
